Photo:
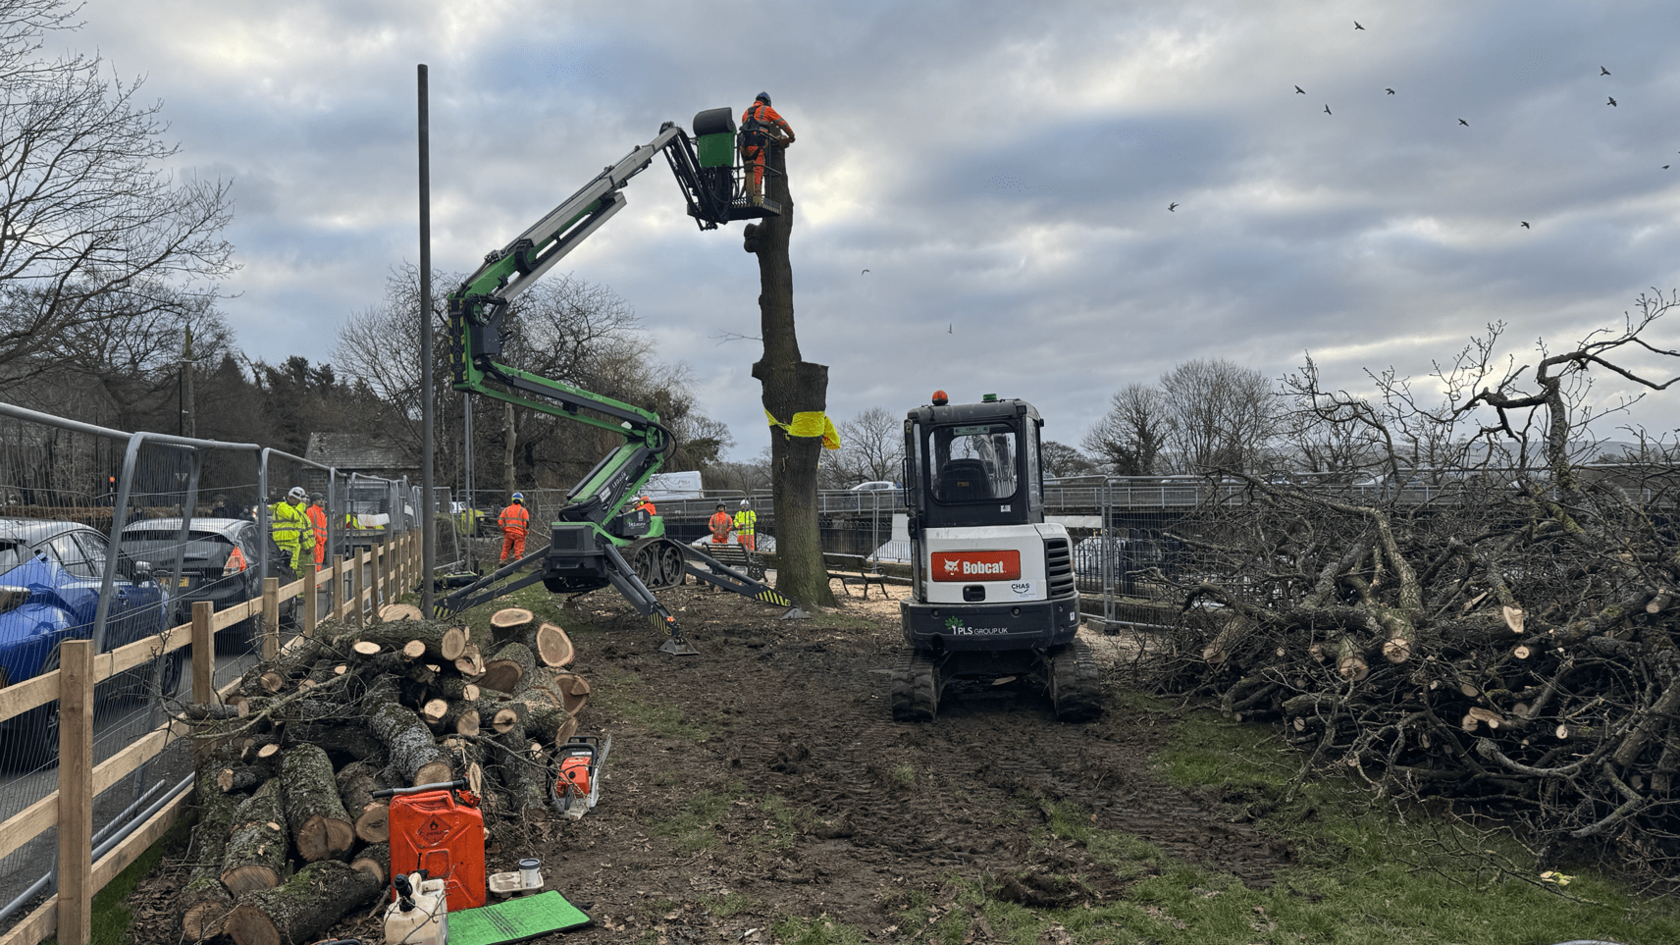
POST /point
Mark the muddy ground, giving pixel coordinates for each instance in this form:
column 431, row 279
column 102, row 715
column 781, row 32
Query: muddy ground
column 765, row 779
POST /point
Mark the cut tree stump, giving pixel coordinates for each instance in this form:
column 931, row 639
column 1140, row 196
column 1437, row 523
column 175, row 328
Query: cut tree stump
column 510, row 623
column 552, row 646
column 255, row 856
column 511, row 664
column 355, row 788
column 374, row 860
column 409, row 742
column 321, row 827
column 301, row 910
column 203, row 900
column 391, row 612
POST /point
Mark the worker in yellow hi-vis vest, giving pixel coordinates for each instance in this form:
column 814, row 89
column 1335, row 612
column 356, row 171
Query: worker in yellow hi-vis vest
column 746, row 525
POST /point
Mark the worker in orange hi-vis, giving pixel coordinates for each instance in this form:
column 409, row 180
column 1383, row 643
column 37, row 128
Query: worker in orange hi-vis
column 761, row 127
column 646, row 505
column 514, row 521
column 318, row 518
column 720, row 524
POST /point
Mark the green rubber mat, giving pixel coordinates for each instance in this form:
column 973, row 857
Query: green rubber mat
column 515, row 920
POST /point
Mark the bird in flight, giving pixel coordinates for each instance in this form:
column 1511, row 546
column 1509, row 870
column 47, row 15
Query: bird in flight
column 1612, row 101
column 1300, row 91
column 1327, row 110
column 1389, row 91
column 1526, row 226
column 1172, row 207
column 1665, row 167
column 1603, row 71
column 952, row 329
column 1464, row 123
column 861, row 273
column 1357, row 26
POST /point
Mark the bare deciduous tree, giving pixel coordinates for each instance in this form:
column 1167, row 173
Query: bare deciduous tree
column 1131, row 436
column 871, row 449
column 92, row 228
column 1221, row 415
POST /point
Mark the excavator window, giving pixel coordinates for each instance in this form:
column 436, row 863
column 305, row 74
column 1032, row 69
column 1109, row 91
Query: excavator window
column 976, row 463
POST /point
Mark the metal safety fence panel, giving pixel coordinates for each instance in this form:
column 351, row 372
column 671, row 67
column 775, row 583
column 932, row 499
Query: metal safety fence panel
column 112, row 537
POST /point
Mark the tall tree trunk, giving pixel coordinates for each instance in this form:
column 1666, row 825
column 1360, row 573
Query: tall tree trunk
column 791, row 386
column 507, row 449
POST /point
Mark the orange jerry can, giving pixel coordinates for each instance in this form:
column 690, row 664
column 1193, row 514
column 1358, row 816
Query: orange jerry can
column 444, row 837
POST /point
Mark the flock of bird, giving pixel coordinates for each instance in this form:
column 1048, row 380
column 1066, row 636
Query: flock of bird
column 1602, row 71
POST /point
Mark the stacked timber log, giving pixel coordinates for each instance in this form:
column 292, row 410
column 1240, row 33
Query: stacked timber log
column 290, row 835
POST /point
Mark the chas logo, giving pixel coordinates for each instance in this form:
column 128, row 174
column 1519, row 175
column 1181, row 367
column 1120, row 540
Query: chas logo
column 976, row 565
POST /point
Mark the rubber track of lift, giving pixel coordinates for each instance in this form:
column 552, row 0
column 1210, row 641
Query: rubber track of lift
column 1076, row 683
column 915, row 688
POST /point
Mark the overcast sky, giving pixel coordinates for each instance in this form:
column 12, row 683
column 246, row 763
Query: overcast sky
column 1003, row 170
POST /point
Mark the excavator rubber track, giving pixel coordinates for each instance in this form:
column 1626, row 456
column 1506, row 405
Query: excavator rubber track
column 915, row 688
column 1076, row 683
column 658, row 562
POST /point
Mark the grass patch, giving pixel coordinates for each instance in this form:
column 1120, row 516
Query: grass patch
column 905, row 774
column 722, row 907
column 617, row 692
column 694, row 828
column 111, row 915
column 818, row 931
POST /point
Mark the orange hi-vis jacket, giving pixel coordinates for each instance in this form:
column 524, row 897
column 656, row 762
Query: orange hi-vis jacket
column 720, row 524
column 763, row 115
column 318, row 518
column 514, row 520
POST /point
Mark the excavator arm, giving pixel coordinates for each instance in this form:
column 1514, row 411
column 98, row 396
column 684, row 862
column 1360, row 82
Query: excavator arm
column 595, row 542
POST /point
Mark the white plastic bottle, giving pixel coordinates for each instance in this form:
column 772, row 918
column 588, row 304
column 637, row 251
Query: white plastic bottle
column 420, row 914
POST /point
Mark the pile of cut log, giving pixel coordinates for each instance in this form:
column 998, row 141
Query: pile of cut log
column 289, row 764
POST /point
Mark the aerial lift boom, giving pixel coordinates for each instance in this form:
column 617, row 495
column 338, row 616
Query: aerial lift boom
column 596, row 541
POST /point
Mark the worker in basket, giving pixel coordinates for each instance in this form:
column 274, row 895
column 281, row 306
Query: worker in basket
column 761, row 127
column 514, row 522
column 646, row 505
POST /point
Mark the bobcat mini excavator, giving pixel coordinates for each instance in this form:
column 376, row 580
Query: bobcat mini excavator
column 597, row 539
column 994, row 594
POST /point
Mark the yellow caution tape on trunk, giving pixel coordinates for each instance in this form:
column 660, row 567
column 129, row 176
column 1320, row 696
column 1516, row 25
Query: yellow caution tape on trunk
column 810, row 423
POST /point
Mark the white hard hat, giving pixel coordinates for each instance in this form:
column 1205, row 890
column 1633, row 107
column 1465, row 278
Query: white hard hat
column 746, row 504
column 297, row 494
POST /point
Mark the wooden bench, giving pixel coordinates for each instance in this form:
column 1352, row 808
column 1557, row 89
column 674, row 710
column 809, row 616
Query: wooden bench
column 736, row 556
column 867, row 572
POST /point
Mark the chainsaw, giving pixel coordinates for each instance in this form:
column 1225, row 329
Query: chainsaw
column 578, row 786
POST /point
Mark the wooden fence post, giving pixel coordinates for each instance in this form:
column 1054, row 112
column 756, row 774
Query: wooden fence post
column 338, row 587
column 75, row 792
column 271, row 618
column 358, row 580
column 378, row 578
column 311, row 600
column 203, row 652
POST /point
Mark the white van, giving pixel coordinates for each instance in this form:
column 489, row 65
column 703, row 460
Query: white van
column 673, row 485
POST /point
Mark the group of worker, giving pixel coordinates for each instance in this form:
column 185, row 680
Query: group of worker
column 744, row 525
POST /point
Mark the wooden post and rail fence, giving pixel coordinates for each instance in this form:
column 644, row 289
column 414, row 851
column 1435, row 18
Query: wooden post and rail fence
column 395, row 568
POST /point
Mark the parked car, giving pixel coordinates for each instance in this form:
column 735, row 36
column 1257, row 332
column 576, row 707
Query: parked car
column 878, row 485
column 50, row 579
column 219, row 564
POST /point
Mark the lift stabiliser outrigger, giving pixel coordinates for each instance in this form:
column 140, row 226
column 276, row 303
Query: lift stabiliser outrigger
column 595, row 541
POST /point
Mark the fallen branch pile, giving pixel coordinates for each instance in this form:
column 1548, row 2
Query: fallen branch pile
column 290, row 837
column 1511, row 646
